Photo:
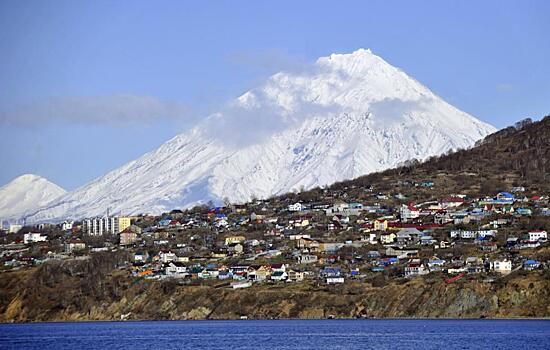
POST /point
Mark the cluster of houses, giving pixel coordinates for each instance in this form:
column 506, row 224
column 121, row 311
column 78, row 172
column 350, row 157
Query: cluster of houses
column 330, row 241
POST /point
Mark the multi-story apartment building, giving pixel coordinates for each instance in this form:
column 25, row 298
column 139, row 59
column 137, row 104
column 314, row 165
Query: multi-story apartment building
column 103, row 225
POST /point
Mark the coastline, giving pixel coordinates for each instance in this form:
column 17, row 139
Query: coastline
column 288, row 319
column 31, row 296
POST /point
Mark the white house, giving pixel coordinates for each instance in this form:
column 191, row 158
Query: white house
column 538, row 236
column 167, row 256
column 33, row 237
column 335, row 280
column 464, row 234
column 387, row 238
column 279, row 276
column 307, row 259
column 67, row 225
column 501, row 266
column 175, row 269
column 409, row 212
column 140, row 257
column 295, row 207
column 415, row 268
column 295, row 237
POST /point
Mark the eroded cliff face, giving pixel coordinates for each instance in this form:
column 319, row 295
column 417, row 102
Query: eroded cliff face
column 25, row 296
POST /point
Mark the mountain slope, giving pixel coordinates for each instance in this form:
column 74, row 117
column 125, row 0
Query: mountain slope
column 25, row 193
column 344, row 116
column 516, row 156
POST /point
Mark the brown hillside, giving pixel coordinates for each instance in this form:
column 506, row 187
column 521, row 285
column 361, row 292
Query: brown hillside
column 515, row 156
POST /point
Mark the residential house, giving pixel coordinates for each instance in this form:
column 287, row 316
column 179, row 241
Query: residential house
column 175, row 269
column 501, row 266
column 524, row 211
column 279, row 276
column 427, row 240
column 234, row 239
column 488, row 246
column 307, row 259
column 531, row 264
column 67, row 225
column 345, row 209
column 387, row 238
column 141, row 257
column 166, row 256
column 452, row 202
column 331, row 272
column 239, row 272
column 240, row 208
column 408, row 235
column 34, row 237
column 380, row 225
column 474, row 265
column 296, row 276
column 415, row 268
column 408, row 212
column 329, row 247
column 73, row 245
column 401, row 252
column 278, row 267
column 294, row 237
column 373, row 254
column 464, row 234
column 129, row 236
column 295, row 207
column 307, row 243
column 236, row 248
column 538, row 236
column 335, row 280
column 258, row 272
column 504, row 198
column 435, row 264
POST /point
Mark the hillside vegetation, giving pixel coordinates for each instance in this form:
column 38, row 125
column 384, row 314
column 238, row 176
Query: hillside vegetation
column 515, row 156
column 56, row 292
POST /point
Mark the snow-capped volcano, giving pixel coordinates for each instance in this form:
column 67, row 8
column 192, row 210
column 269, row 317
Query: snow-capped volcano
column 344, row 116
column 26, row 192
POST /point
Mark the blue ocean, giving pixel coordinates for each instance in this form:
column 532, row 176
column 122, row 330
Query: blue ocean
column 280, row 334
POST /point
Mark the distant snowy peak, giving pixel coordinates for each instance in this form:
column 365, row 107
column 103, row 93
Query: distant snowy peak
column 25, row 193
column 343, row 116
column 348, row 81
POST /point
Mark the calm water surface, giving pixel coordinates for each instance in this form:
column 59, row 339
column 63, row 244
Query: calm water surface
column 281, row 334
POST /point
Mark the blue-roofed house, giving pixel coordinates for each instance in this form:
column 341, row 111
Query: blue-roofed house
column 504, row 198
column 165, row 222
column 531, row 265
column 435, row 264
column 331, row 272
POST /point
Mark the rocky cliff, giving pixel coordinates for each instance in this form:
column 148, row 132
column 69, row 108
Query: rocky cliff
column 53, row 293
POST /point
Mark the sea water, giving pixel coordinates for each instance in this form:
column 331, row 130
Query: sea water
column 281, row 334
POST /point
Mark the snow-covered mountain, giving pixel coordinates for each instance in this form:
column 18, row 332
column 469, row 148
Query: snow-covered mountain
column 344, row 116
column 26, row 192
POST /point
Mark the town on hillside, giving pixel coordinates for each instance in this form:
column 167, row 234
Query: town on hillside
column 384, row 235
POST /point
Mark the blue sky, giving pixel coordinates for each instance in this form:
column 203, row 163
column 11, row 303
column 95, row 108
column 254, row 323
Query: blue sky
column 86, row 86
